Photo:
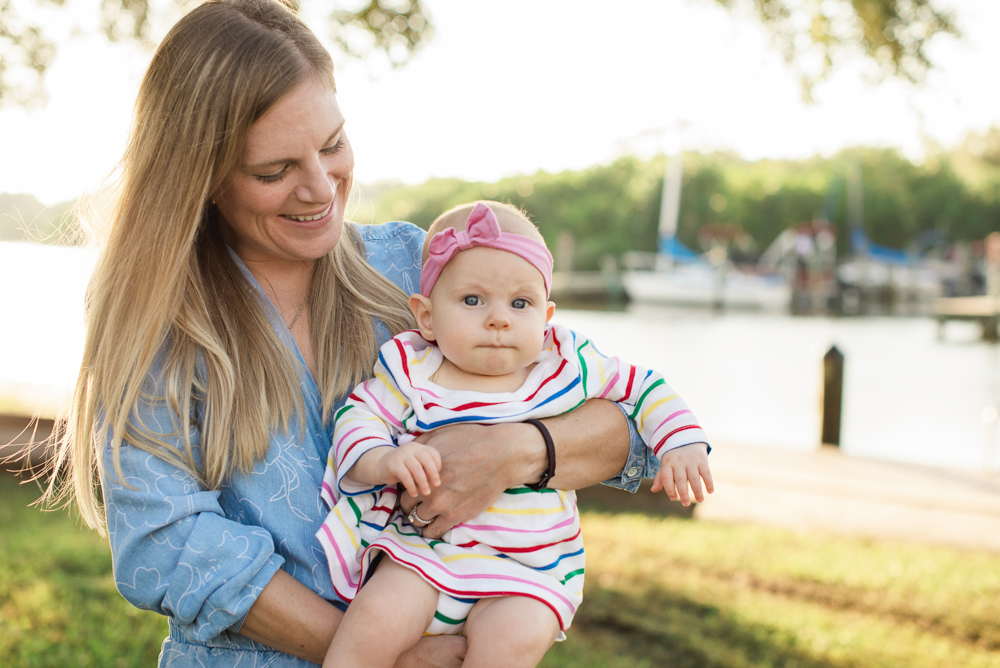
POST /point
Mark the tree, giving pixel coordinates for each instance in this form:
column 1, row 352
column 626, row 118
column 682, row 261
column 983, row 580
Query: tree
column 814, row 36
column 396, row 28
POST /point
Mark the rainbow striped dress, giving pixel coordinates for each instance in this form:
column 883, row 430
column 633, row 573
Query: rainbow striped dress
column 529, row 542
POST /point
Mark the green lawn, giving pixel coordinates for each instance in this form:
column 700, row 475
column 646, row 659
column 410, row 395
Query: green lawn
column 661, row 591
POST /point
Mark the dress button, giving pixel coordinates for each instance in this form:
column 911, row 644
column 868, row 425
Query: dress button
column 632, row 472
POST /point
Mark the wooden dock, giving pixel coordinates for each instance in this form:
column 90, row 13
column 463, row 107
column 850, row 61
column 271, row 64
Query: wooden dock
column 583, row 289
column 984, row 309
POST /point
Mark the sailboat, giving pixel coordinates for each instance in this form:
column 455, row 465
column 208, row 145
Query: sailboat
column 677, row 275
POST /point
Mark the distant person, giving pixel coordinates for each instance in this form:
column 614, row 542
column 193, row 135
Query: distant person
column 511, row 578
column 231, row 311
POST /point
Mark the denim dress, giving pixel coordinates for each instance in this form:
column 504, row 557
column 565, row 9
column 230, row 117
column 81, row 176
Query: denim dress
column 202, row 557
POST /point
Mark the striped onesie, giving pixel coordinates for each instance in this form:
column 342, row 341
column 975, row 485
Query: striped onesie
column 529, row 542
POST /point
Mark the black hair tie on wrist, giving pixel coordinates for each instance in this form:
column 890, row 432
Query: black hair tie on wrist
column 550, row 450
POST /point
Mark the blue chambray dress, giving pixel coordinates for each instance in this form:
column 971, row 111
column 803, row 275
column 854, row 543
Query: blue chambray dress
column 201, row 557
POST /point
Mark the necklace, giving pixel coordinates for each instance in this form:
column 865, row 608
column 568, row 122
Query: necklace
column 298, row 313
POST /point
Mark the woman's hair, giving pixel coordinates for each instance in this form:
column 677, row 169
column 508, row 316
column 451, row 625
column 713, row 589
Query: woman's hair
column 171, row 320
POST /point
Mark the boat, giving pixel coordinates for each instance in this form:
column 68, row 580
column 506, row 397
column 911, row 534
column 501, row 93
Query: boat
column 677, row 275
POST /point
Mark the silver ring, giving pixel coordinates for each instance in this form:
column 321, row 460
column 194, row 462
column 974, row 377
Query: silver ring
column 416, row 519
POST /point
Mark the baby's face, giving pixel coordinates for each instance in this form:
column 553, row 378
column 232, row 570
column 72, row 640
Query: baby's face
column 489, row 310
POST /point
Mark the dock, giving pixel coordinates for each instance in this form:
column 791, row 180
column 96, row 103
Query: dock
column 581, row 289
column 984, row 309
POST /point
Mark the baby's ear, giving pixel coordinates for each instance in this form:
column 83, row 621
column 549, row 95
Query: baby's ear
column 421, row 307
column 550, row 308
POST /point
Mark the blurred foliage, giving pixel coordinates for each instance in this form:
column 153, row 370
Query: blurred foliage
column 816, row 35
column 610, row 209
column 813, row 35
column 614, row 208
column 396, row 28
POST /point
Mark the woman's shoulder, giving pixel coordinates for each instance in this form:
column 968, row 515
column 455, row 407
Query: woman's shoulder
column 396, row 232
column 394, row 250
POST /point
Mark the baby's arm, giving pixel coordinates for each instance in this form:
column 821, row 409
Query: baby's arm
column 415, row 465
column 683, row 466
column 375, row 413
column 665, row 423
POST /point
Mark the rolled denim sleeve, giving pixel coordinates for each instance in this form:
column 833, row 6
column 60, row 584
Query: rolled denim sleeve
column 175, row 552
column 641, row 462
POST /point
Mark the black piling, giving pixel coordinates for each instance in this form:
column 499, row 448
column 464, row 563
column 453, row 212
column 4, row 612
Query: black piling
column 833, row 395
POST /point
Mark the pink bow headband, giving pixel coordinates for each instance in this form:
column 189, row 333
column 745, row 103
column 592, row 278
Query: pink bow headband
column 482, row 229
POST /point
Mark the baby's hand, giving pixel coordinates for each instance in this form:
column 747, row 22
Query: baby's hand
column 415, row 465
column 681, row 466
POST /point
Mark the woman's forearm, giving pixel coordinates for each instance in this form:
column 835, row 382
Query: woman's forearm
column 592, row 445
column 292, row 618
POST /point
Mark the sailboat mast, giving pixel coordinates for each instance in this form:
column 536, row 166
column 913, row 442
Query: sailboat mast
column 670, row 201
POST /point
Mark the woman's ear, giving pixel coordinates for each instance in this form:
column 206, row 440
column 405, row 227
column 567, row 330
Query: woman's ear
column 421, row 307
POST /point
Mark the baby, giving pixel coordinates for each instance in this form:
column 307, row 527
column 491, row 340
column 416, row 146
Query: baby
column 510, row 579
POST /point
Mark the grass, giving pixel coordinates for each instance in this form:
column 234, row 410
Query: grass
column 58, row 602
column 661, row 591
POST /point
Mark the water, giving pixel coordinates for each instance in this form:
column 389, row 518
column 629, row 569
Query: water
column 756, row 379
column 751, row 378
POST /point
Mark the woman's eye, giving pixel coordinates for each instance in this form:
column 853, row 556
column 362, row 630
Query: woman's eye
column 471, row 301
column 271, row 178
column 519, row 303
column 333, row 150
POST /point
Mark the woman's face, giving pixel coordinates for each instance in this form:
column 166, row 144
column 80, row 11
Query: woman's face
column 285, row 200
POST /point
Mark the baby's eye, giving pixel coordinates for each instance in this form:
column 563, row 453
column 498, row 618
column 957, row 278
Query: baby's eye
column 519, row 303
column 471, row 301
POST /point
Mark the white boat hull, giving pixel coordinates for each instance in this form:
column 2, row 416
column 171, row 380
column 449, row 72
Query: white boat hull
column 705, row 287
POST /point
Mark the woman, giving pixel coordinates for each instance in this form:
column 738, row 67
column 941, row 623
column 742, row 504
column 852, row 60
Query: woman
column 230, row 312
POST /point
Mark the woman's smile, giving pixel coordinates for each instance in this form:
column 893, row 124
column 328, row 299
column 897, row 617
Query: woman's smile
column 311, row 218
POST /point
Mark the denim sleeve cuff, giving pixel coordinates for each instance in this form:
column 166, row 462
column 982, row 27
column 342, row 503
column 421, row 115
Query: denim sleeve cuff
column 640, row 463
column 256, row 586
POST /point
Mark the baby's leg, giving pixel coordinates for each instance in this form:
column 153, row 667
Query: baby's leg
column 509, row 631
column 387, row 617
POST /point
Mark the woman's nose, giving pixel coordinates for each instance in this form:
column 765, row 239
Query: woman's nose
column 317, row 185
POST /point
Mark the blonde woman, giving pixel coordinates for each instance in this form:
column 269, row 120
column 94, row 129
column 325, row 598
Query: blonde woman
column 231, row 311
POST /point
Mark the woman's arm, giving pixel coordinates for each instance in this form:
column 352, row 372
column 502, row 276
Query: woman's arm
column 479, row 462
column 291, row 618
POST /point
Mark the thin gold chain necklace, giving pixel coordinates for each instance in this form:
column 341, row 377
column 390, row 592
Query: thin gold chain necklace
column 298, row 313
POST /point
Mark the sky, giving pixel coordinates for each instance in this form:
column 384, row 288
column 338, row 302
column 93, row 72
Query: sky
column 517, row 86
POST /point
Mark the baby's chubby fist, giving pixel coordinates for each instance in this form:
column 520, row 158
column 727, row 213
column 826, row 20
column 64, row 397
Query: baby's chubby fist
column 414, row 465
column 683, row 467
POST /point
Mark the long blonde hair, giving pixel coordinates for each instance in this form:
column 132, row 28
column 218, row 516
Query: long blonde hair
column 171, row 320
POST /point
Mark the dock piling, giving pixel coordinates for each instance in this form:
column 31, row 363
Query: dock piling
column 833, row 395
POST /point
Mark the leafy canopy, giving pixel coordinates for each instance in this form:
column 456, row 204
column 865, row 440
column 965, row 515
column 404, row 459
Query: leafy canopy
column 814, row 36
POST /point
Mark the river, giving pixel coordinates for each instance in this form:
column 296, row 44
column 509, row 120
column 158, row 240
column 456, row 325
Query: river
column 756, row 379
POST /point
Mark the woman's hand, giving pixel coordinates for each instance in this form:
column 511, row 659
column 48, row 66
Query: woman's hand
column 479, row 462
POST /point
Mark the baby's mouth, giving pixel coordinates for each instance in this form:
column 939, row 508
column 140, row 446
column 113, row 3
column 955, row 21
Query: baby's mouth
column 307, row 219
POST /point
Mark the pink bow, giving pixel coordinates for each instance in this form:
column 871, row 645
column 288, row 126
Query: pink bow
column 482, row 229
